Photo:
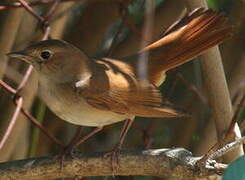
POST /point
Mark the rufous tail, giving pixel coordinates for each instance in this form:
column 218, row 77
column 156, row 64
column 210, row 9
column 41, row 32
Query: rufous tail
column 186, row 39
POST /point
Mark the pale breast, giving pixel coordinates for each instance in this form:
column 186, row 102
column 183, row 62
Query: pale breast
column 71, row 107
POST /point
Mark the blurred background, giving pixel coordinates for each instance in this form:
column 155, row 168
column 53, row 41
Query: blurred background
column 113, row 28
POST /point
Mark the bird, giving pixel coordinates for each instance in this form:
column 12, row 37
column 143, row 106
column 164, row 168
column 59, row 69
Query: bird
column 97, row 92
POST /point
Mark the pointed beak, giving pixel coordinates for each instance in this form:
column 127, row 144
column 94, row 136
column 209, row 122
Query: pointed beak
column 20, row 55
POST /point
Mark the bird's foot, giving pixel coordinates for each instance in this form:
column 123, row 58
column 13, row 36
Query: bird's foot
column 66, row 152
column 114, row 156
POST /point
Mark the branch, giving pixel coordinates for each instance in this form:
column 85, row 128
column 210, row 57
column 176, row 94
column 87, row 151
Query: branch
column 34, row 3
column 159, row 162
column 166, row 14
column 16, row 92
column 217, row 91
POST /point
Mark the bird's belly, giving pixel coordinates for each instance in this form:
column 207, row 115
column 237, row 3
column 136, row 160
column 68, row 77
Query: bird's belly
column 85, row 115
column 74, row 109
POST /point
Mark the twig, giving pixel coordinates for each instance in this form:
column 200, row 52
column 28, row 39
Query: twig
column 25, row 78
column 7, row 87
column 227, row 148
column 30, row 117
column 217, row 90
column 133, row 28
column 30, row 10
column 19, row 103
column 41, row 127
column 18, row 100
column 35, row 3
column 192, row 87
column 243, row 125
column 240, row 106
column 30, row 68
column 51, row 10
column 172, row 85
column 160, row 162
column 213, row 152
column 230, row 132
column 146, row 39
column 113, row 43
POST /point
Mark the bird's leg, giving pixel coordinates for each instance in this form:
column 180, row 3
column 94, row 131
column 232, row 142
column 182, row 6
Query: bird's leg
column 123, row 133
column 76, row 141
column 70, row 146
column 116, row 150
column 93, row 132
column 68, row 149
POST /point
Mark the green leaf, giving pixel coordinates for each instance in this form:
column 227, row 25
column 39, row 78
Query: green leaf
column 236, row 170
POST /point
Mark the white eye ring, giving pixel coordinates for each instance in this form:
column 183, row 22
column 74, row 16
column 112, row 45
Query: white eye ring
column 45, row 54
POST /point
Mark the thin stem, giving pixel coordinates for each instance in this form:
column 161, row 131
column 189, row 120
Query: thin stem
column 124, row 18
column 19, row 103
column 7, row 87
column 25, row 78
column 30, row 10
column 41, row 127
column 51, row 10
column 35, row 3
column 227, row 148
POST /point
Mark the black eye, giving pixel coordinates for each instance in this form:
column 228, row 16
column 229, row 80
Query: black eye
column 45, row 55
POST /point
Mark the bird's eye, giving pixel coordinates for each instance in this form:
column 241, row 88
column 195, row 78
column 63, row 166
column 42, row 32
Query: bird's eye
column 45, row 54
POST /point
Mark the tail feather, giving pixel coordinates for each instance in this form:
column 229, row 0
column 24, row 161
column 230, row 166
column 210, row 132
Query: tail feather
column 182, row 55
column 165, row 110
column 186, row 39
column 183, row 21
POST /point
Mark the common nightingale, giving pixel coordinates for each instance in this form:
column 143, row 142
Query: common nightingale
column 96, row 92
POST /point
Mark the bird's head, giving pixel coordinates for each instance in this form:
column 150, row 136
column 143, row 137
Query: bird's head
column 55, row 59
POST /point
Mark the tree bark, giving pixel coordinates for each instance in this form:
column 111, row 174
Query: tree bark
column 217, row 91
column 160, row 162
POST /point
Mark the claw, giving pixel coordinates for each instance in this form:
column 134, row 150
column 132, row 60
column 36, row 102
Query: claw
column 114, row 156
column 67, row 152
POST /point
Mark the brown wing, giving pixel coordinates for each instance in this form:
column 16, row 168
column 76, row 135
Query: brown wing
column 119, row 91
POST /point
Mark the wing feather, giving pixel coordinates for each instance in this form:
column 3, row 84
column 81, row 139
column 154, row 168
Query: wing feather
column 112, row 89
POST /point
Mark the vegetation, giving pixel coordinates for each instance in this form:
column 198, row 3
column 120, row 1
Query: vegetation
column 115, row 28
